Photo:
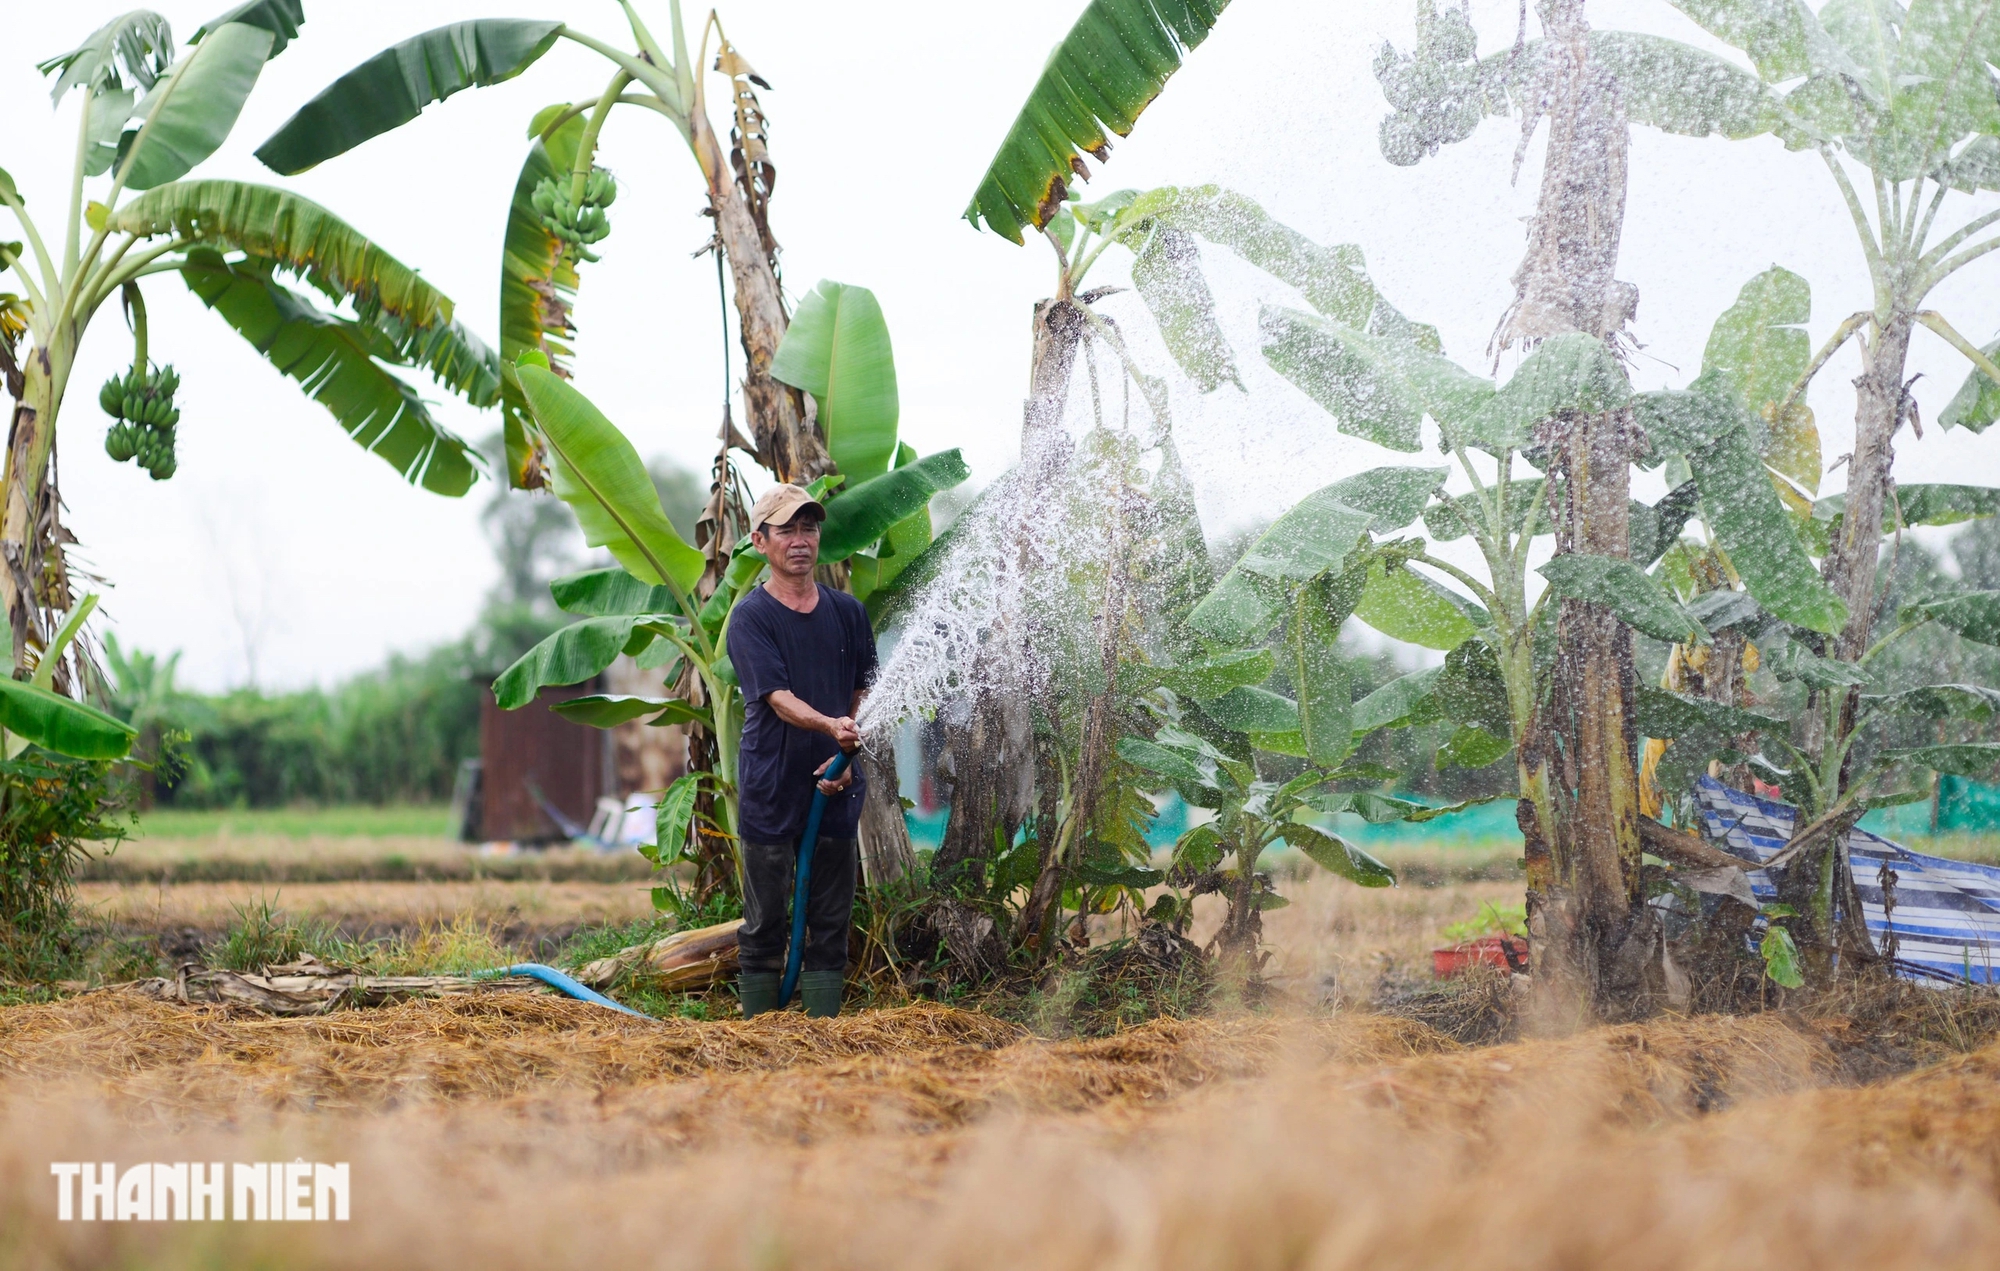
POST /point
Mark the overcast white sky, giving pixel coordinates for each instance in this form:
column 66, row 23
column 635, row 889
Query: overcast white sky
column 280, row 534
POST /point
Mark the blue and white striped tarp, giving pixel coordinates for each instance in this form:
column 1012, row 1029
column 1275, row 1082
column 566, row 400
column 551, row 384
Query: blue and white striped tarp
column 1947, row 913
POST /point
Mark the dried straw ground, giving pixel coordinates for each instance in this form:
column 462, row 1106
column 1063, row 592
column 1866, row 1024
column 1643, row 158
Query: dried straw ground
column 532, row 1132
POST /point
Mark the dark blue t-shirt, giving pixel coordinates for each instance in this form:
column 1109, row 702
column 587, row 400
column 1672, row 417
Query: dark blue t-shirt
column 823, row 658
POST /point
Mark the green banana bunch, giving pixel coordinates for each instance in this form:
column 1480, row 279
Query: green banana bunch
column 576, row 224
column 142, row 403
column 122, row 442
column 1440, row 92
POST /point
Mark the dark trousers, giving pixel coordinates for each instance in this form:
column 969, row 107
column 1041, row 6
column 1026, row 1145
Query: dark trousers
column 767, row 904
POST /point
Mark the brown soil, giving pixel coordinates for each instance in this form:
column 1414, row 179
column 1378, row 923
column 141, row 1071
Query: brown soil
column 529, row 1131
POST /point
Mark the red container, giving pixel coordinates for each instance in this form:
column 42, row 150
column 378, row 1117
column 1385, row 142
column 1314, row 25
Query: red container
column 1493, row 951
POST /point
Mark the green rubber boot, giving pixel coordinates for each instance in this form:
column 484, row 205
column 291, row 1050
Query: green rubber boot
column 758, row 991
column 821, row 991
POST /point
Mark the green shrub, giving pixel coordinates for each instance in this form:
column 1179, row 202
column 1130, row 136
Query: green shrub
column 52, row 808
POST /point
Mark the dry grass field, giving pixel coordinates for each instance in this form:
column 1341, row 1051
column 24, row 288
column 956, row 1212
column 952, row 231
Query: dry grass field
column 367, row 906
column 506, row 1131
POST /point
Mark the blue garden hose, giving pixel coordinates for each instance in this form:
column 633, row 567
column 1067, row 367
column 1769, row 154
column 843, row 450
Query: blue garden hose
column 557, row 980
column 796, row 953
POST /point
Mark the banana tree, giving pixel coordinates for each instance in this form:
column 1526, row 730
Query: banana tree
column 1834, row 788
column 557, row 210
column 1251, row 815
column 1378, row 373
column 1380, row 376
column 1585, row 882
column 1859, row 768
column 1105, row 71
column 1780, row 618
column 1899, row 104
column 646, row 606
column 147, row 117
column 557, row 213
column 1755, row 352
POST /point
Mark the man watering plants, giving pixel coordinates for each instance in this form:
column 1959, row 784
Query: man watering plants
column 804, row 654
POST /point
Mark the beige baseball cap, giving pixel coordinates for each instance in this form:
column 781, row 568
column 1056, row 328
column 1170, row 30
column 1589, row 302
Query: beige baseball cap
column 780, row 504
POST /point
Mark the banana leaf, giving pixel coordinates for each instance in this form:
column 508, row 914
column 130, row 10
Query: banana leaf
column 335, row 361
column 1782, row 38
column 1932, row 504
column 1405, row 605
column 862, row 514
column 393, row 87
column 1972, row 759
column 1471, row 748
column 1455, row 516
column 141, row 39
column 837, row 348
column 109, row 112
column 1944, row 89
column 1334, row 280
column 1376, row 809
column 1752, row 525
column 456, row 357
column 1656, row 528
column 604, row 593
column 1473, row 692
column 1167, row 275
column 1681, row 89
column 600, row 476
column 1106, row 71
column 1195, row 780
column 1940, row 701
column 1394, row 496
column 1795, row 662
column 57, row 723
column 569, row 656
column 1212, row 677
column 1314, row 536
column 187, row 115
column 1919, row 503
column 1376, row 387
column 910, row 579
column 1622, row 587
column 609, row 710
column 1253, row 710
column 1570, row 372
column 297, row 233
column 1336, row 855
column 907, row 540
column 1972, row 614
column 1679, row 421
column 282, row 18
column 1723, row 608
column 1663, row 713
column 1977, row 403
column 1403, row 702
column 1760, row 343
column 1319, row 672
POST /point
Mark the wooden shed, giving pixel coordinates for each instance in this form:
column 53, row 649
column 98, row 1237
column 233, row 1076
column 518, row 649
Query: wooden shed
column 537, row 770
column 531, row 757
